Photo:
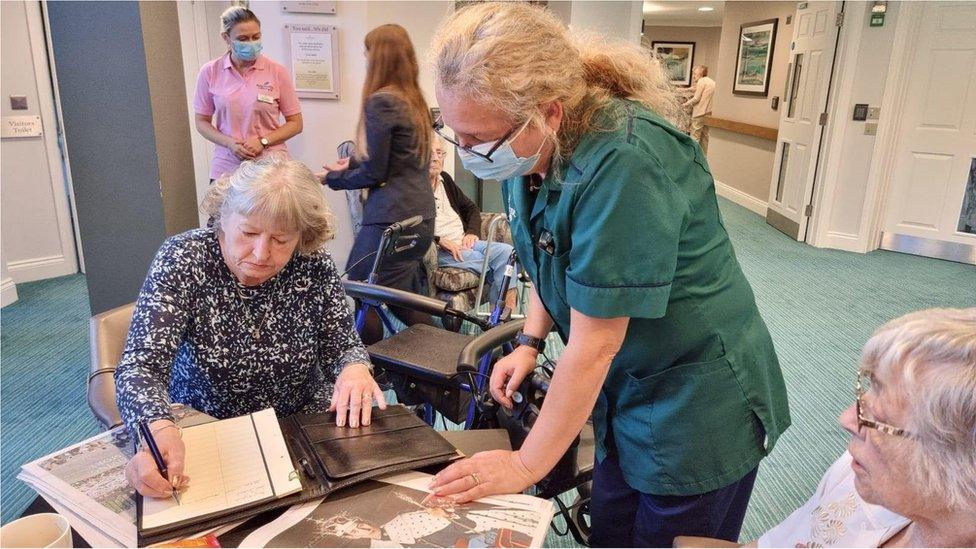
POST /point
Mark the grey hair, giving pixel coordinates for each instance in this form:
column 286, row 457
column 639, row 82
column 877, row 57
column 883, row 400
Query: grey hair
column 282, row 190
column 931, row 355
column 234, row 15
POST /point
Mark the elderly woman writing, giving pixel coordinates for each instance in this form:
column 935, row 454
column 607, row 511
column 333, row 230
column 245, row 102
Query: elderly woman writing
column 242, row 316
column 908, row 477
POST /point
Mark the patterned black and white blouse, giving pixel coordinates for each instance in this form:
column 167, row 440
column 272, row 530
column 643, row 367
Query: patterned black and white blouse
column 201, row 338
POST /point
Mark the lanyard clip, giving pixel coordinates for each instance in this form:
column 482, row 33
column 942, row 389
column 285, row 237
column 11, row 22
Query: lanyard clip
column 546, row 242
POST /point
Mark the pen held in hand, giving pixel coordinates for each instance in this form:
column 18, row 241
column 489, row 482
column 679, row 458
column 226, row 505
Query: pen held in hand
column 150, row 442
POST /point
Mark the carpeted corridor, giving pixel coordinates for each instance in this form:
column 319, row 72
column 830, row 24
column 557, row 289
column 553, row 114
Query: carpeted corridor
column 820, row 305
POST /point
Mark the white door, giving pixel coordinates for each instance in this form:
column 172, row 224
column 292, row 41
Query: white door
column 815, row 28
column 931, row 206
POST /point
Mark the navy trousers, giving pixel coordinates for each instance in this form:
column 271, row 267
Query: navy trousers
column 623, row 517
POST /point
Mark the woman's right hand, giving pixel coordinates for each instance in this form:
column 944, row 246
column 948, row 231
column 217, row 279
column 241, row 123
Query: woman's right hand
column 241, row 151
column 141, row 471
column 509, row 372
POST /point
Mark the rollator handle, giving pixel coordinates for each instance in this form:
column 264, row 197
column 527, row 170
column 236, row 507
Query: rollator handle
column 492, row 339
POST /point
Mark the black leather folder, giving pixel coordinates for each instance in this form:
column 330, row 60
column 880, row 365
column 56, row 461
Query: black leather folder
column 328, row 458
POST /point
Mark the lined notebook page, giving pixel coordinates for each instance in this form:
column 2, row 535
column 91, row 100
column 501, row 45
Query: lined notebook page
column 226, row 469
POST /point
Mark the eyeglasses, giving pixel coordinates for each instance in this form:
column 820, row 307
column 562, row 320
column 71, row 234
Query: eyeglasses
column 486, row 156
column 861, row 388
column 439, row 129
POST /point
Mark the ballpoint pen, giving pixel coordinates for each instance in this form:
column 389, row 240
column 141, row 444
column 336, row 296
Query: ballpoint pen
column 147, row 437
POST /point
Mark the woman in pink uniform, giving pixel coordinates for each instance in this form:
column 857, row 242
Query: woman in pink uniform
column 242, row 95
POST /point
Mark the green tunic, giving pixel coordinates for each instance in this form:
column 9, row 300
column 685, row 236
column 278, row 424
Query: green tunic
column 695, row 398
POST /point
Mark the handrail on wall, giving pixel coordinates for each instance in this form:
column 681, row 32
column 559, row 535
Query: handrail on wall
column 761, row 132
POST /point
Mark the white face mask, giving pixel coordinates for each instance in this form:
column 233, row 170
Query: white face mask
column 504, row 163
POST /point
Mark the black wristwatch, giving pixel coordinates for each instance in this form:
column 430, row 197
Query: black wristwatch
column 536, row 343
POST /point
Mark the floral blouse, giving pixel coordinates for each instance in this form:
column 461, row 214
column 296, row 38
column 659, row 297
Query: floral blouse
column 836, row 516
column 201, row 338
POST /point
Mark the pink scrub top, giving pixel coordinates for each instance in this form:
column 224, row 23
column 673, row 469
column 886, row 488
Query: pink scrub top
column 245, row 106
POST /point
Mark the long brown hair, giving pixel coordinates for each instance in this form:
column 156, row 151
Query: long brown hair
column 392, row 67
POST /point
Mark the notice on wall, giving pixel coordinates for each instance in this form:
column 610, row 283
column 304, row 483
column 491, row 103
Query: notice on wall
column 314, row 60
column 22, row 126
column 307, row 6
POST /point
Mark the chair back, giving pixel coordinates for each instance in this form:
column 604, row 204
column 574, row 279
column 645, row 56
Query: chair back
column 107, row 332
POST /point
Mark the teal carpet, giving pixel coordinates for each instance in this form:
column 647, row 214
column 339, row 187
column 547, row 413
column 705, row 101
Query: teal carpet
column 820, row 305
column 43, row 369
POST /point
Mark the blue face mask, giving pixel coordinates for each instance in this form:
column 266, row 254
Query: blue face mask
column 504, row 163
column 247, row 51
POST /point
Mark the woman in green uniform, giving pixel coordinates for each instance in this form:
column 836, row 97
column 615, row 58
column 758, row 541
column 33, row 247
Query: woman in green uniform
column 615, row 219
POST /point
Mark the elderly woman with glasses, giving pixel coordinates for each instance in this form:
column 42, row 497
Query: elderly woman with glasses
column 908, row 478
column 246, row 315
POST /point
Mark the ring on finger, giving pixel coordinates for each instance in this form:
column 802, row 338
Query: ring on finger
column 368, row 396
column 474, row 476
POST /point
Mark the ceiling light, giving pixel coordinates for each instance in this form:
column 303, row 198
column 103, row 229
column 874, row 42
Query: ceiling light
column 706, row 8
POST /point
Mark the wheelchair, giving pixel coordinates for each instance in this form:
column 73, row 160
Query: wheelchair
column 441, row 372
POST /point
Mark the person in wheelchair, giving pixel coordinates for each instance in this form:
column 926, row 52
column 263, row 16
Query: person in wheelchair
column 615, row 220
column 247, row 314
column 456, row 228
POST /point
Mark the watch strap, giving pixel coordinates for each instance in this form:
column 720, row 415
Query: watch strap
column 536, row 343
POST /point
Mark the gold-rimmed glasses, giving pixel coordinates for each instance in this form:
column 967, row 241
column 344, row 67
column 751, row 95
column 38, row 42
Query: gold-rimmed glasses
column 861, row 388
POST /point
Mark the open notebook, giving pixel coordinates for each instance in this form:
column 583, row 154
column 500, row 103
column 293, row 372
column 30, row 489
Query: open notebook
column 233, row 463
column 243, row 466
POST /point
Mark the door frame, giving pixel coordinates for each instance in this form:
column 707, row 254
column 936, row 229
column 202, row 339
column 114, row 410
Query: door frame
column 49, row 106
column 868, row 237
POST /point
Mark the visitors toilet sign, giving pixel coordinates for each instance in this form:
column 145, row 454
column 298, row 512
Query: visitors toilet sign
column 22, row 126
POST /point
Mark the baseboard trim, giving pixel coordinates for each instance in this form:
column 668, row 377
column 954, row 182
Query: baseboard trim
column 8, row 292
column 743, row 199
column 39, row 268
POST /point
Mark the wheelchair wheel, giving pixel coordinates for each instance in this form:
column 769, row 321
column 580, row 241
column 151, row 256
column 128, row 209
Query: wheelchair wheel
column 580, row 515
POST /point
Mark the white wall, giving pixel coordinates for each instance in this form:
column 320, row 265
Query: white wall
column 330, row 122
column 37, row 239
column 617, row 19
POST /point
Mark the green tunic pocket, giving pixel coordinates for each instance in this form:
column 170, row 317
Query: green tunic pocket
column 687, row 429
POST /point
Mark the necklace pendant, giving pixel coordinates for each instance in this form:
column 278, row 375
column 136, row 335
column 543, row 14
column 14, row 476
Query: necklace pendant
column 256, row 334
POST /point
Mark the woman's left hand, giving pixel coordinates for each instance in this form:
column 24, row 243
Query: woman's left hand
column 337, row 166
column 469, row 241
column 354, row 392
column 483, row 474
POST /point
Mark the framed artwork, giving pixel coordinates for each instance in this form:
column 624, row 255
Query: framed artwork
column 754, row 58
column 678, row 59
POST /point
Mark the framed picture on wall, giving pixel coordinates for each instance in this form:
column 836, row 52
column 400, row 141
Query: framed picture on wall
column 678, row 59
column 754, row 59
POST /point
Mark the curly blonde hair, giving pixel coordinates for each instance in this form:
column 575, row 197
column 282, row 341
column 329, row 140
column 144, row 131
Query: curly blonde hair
column 514, row 57
column 282, row 190
column 932, row 356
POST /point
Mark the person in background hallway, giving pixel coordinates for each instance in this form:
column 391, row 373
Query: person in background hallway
column 615, row 220
column 241, row 97
column 391, row 160
column 456, row 231
column 702, row 105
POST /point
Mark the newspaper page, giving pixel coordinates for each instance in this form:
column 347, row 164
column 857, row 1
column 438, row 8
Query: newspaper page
column 397, row 511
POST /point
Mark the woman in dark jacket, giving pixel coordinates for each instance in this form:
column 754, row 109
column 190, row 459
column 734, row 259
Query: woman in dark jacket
column 392, row 162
